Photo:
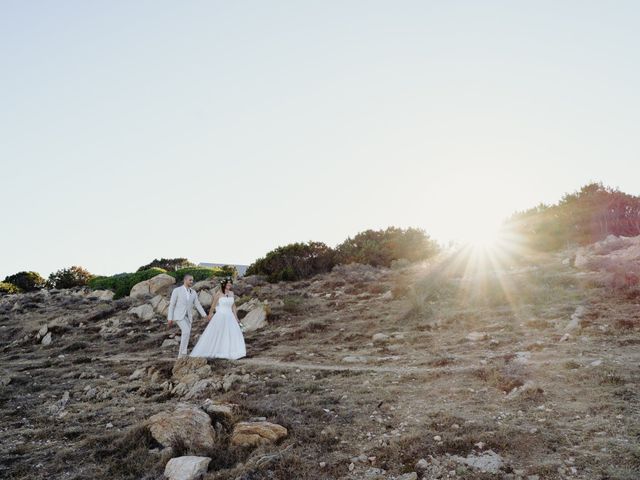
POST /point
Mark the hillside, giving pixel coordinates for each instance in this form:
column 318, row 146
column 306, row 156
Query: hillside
column 438, row 370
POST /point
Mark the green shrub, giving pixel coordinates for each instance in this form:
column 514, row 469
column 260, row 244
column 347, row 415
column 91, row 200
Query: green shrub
column 26, row 281
column 69, row 277
column 294, row 262
column 122, row 283
column 168, row 264
column 585, row 216
column 203, row 273
column 381, row 247
column 6, row 287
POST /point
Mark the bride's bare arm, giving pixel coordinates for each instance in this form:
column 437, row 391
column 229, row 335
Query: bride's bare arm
column 213, row 304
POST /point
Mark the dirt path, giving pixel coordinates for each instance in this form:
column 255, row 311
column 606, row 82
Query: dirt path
column 268, row 362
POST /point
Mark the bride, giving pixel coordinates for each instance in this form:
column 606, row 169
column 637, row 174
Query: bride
column 222, row 338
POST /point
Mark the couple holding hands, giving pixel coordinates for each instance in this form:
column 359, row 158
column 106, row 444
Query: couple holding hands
column 222, row 338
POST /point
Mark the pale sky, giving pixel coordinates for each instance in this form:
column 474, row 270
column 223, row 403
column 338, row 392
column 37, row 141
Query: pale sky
column 216, row 131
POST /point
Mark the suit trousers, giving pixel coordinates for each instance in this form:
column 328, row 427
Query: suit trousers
column 185, row 328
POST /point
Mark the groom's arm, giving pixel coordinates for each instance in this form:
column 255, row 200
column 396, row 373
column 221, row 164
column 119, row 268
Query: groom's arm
column 201, row 311
column 172, row 305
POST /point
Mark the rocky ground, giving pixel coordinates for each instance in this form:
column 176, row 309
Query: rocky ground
column 445, row 370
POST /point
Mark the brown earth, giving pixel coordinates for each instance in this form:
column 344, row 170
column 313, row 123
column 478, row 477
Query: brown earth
column 470, row 361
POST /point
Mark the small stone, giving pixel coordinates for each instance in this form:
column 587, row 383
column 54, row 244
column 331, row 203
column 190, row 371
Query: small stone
column 46, row 341
column 437, row 438
column 422, row 464
column 351, row 467
column 322, row 464
column 43, row 331
column 109, row 425
column 186, row 468
column 408, row 476
column 476, row 336
column 138, row 374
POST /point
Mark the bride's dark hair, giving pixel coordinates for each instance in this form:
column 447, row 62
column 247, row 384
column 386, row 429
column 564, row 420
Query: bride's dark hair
column 223, row 284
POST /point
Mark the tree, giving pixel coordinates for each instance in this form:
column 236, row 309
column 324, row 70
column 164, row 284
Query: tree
column 26, row 281
column 69, row 277
column 294, row 262
column 381, row 247
column 585, row 216
column 168, row 264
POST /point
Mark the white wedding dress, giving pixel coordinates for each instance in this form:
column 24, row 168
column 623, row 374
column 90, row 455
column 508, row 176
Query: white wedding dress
column 222, row 338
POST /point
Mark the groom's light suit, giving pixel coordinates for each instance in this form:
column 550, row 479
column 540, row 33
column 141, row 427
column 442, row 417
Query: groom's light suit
column 180, row 311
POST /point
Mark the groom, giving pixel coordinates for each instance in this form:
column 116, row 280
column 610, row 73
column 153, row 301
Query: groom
column 183, row 299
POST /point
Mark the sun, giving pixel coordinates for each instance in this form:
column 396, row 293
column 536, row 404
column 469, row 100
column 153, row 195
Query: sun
column 488, row 238
column 484, row 237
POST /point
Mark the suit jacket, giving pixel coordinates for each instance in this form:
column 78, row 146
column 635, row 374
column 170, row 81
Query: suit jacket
column 180, row 306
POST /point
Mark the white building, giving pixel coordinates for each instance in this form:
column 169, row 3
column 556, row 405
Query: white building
column 240, row 268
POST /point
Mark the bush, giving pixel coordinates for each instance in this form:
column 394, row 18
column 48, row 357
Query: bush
column 6, row 287
column 69, row 277
column 381, row 247
column 203, row 273
column 168, row 264
column 122, row 283
column 26, row 281
column 582, row 217
column 294, row 262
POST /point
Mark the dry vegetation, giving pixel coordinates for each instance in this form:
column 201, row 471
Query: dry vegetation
column 550, row 404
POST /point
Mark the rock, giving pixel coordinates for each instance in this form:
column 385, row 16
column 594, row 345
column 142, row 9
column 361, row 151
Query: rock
column 256, row 316
column 380, row 339
column 205, row 298
column 229, row 379
column 408, row 476
column 422, row 464
column 57, row 407
column 190, row 369
column 355, row 359
column 186, row 426
column 43, row 331
column 476, row 336
column 46, row 341
column 437, row 438
column 143, row 312
column 186, row 468
column 487, row 462
column 5, row 379
column 160, row 305
column 197, row 388
column 102, row 295
column 256, row 433
column 222, row 411
column 596, row 363
column 170, row 342
column 137, row 374
column 575, row 318
column 152, row 286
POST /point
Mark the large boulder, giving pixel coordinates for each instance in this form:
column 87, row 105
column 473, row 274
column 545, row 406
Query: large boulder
column 143, row 312
column 256, row 315
column 186, row 426
column 160, row 305
column 206, row 298
column 153, row 286
column 251, row 434
column 186, row 468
